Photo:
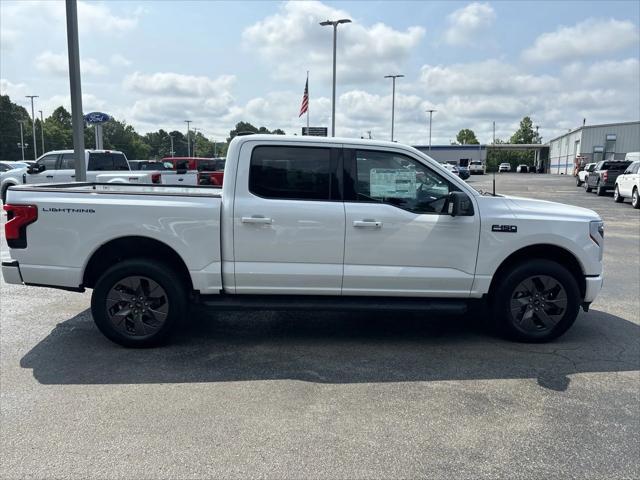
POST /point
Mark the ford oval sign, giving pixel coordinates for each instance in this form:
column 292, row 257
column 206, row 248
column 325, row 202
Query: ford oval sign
column 96, row 117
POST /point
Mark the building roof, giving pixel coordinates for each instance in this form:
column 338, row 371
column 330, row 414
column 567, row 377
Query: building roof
column 594, row 126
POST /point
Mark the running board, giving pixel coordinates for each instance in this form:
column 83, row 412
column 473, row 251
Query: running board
column 444, row 306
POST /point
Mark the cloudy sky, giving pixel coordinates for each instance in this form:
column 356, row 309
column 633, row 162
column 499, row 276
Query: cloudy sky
column 157, row 63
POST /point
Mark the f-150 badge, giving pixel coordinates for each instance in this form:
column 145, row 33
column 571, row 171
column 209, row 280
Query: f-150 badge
column 504, row 228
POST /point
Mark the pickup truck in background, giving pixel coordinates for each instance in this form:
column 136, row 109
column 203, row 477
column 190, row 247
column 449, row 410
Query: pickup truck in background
column 583, row 172
column 628, row 183
column 210, row 171
column 104, row 166
column 307, row 223
column 603, row 176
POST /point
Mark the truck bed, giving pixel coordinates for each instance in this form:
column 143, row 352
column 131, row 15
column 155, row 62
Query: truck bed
column 124, row 188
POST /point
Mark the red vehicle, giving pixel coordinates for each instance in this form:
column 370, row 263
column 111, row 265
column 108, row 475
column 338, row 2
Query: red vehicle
column 210, row 170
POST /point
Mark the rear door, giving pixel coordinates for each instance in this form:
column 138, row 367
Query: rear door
column 67, row 168
column 289, row 222
column 400, row 240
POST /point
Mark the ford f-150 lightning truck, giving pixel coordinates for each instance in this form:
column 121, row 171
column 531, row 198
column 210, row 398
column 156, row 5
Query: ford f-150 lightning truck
column 307, row 223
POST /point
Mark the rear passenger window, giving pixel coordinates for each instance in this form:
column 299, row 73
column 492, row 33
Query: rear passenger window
column 107, row 161
column 301, row 173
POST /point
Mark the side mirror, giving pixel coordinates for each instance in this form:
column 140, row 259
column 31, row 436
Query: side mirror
column 36, row 168
column 459, row 204
column 182, row 167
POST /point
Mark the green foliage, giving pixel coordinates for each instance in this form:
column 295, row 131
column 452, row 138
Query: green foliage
column 246, row 127
column 10, row 113
column 466, row 137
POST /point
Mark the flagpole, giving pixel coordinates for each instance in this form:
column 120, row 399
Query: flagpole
column 309, row 101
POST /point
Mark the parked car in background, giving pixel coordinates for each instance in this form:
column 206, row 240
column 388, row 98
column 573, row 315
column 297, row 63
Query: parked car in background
column 150, row 165
column 504, row 167
column 170, row 174
column 452, row 168
column 476, row 167
column 522, row 169
column 58, row 166
column 463, row 172
column 604, row 174
column 628, row 184
column 210, row 171
column 283, row 234
column 582, row 174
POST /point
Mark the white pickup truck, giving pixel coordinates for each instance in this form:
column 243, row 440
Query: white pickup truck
column 105, row 166
column 302, row 222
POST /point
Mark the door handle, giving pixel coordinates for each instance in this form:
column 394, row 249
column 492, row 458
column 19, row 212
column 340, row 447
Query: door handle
column 367, row 224
column 257, row 219
column 73, row 176
column 49, row 176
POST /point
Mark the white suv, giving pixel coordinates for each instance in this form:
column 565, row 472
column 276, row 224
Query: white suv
column 628, row 184
column 476, row 167
column 582, row 174
column 504, row 167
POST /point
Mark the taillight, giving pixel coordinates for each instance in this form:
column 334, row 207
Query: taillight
column 605, row 175
column 18, row 218
column 155, row 177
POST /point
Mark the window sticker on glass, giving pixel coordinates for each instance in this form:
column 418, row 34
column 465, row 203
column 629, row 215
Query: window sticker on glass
column 392, row 183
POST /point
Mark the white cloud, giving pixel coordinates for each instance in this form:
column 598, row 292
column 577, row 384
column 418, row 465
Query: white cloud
column 467, row 24
column 120, row 61
column 490, row 77
column 175, row 84
column 292, row 41
column 589, row 38
column 15, row 90
column 57, row 64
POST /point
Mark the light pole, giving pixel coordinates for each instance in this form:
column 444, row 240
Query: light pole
column 42, row 130
column 188, row 122
column 393, row 99
column 430, row 118
column 21, row 122
column 172, row 152
column 33, row 126
column 335, row 24
column 214, row 148
column 195, row 139
column 75, row 87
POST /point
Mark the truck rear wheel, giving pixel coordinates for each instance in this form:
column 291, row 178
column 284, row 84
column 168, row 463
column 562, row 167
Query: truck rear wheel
column 600, row 190
column 138, row 303
column 536, row 301
column 635, row 200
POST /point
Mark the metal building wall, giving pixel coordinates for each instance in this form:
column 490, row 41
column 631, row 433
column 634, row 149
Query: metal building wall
column 453, row 153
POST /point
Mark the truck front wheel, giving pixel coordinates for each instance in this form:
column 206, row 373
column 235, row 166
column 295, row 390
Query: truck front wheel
column 536, row 301
column 138, row 303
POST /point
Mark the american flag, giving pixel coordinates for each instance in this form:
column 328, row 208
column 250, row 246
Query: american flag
column 304, row 108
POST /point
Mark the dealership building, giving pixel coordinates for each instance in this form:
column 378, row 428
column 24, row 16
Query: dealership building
column 455, row 154
column 593, row 143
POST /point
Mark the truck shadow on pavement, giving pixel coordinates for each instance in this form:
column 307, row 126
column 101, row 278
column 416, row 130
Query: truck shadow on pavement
column 333, row 348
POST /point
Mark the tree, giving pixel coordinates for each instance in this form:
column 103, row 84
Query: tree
column 246, row 127
column 10, row 113
column 525, row 134
column 467, row 137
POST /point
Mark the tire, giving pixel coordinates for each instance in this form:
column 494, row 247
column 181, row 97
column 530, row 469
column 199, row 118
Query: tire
column 616, row 196
column 600, row 191
column 587, row 188
column 160, row 300
column 554, row 315
column 635, row 200
column 578, row 182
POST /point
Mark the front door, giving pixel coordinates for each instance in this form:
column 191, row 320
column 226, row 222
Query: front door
column 288, row 232
column 399, row 239
column 50, row 162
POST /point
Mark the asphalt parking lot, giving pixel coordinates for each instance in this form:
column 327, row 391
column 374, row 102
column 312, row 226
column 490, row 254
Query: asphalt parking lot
column 330, row 395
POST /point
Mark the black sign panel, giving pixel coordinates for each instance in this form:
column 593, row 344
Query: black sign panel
column 314, row 131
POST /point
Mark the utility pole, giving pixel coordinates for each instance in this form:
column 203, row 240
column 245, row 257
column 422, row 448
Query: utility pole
column 369, row 133
column 33, row 126
column 393, row 99
column 77, row 119
column 195, row 139
column 172, row 152
column 42, row 130
column 430, row 119
column 21, row 122
column 188, row 122
column 335, row 24
column 214, row 148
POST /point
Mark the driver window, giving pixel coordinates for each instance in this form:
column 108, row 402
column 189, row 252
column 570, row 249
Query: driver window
column 400, row 181
column 49, row 161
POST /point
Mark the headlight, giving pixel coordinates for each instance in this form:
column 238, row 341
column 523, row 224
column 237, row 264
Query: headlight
column 596, row 231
